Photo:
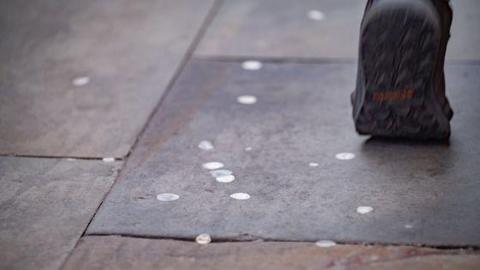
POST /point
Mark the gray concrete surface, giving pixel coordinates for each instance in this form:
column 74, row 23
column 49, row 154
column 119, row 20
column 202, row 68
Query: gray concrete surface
column 129, row 50
column 282, row 28
column 420, row 193
column 95, row 253
column 45, row 206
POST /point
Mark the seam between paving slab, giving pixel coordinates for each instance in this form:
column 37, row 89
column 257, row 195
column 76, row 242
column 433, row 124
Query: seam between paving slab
column 408, row 256
column 276, row 240
column 189, row 54
column 454, row 251
column 307, row 60
column 110, row 159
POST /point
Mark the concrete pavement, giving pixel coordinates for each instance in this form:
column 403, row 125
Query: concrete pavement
column 112, row 111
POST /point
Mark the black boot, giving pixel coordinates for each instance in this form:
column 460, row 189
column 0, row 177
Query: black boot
column 400, row 82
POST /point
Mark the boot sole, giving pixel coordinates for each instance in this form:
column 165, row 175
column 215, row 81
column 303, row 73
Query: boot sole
column 399, row 46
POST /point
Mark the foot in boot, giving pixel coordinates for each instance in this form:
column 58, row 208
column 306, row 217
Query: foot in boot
column 400, row 88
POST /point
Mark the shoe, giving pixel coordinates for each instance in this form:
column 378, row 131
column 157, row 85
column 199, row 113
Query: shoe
column 400, row 90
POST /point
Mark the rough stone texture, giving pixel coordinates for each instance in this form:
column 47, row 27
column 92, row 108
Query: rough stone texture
column 107, row 252
column 302, row 116
column 45, row 206
column 129, row 49
column 281, row 28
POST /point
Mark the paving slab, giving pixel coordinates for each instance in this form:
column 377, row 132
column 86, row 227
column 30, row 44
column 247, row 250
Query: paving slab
column 421, row 193
column 80, row 78
column 283, row 28
column 113, row 252
column 45, row 206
